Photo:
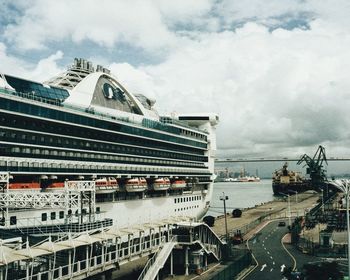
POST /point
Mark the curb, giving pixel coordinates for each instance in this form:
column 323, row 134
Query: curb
column 249, row 270
column 245, row 272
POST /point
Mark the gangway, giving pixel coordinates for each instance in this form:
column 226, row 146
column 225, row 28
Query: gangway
column 158, row 261
column 198, row 233
column 85, row 255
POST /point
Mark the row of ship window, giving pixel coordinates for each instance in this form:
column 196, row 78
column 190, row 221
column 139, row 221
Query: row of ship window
column 163, row 125
column 64, row 155
column 187, row 199
column 56, row 93
column 186, row 133
column 39, row 89
column 65, row 142
column 13, row 165
column 53, row 114
column 53, row 215
column 187, row 208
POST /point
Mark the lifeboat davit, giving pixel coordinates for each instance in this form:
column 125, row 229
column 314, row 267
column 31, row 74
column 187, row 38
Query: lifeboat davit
column 136, row 185
column 55, row 187
column 106, row 185
column 161, row 184
column 24, row 187
column 178, row 184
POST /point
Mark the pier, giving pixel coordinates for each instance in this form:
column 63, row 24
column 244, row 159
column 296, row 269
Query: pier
column 101, row 252
column 277, row 209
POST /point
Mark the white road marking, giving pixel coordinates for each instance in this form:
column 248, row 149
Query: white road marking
column 271, row 257
column 271, row 269
column 282, row 267
column 268, row 252
column 273, row 263
column 263, row 267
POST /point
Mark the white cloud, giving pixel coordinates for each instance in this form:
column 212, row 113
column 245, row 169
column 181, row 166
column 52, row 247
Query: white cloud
column 282, row 90
column 41, row 71
column 271, row 90
column 47, row 67
column 11, row 65
column 104, row 22
column 137, row 80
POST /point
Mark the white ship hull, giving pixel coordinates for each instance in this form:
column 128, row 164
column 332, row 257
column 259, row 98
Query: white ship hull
column 124, row 213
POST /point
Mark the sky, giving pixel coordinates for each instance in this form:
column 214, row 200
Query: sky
column 275, row 71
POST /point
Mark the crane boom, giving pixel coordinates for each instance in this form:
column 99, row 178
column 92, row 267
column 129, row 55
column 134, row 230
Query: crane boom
column 315, row 166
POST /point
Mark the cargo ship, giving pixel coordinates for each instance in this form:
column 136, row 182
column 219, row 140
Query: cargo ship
column 285, row 181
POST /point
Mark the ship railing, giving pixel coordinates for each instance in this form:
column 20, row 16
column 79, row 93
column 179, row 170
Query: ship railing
column 31, row 96
column 158, row 260
column 202, row 235
column 106, row 260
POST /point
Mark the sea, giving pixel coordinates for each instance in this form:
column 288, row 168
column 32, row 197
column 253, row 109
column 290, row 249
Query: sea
column 240, row 195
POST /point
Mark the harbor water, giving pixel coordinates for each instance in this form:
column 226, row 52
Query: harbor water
column 240, row 195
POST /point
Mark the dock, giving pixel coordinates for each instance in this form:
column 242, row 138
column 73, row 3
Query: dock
column 101, row 252
column 277, row 209
column 174, row 244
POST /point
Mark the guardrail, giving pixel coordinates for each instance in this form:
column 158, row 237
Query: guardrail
column 96, row 264
column 152, row 261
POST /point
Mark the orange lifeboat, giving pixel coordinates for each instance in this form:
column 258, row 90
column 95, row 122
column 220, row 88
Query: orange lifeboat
column 24, row 187
column 136, row 185
column 161, row 184
column 106, row 185
column 178, row 184
column 55, row 187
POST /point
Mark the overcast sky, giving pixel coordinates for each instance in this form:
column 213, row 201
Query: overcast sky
column 276, row 72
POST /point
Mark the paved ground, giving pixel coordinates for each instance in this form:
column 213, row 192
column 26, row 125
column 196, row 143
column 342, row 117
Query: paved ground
column 273, row 256
column 269, row 252
column 277, row 208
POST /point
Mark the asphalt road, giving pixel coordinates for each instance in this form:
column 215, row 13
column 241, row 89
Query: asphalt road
column 272, row 256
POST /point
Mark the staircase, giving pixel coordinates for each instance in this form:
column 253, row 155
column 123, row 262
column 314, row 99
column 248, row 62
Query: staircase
column 157, row 261
column 200, row 234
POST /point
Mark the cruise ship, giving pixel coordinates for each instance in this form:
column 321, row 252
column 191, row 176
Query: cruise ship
column 80, row 151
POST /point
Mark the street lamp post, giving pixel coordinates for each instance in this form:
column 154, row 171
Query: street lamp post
column 289, row 213
column 343, row 185
column 224, row 198
column 296, row 195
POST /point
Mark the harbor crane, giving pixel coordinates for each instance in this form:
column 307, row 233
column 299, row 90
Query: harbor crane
column 315, row 166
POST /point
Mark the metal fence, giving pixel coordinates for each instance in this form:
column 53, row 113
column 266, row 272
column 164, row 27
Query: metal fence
column 234, row 267
column 313, row 247
column 271, row 216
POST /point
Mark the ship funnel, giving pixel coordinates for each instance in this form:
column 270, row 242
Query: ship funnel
column 100, row 68
column 83, row 64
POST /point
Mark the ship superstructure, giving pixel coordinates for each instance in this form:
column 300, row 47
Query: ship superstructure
column 81, row 150
column 285, row 181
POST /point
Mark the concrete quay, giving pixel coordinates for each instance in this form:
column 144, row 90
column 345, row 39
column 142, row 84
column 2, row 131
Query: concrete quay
column 253, row 217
